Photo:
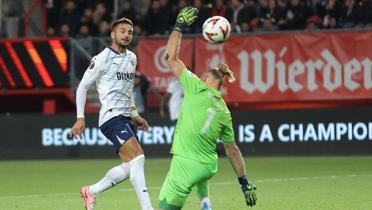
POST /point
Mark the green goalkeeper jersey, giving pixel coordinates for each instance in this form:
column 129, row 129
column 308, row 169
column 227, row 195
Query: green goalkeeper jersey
column 203, row 119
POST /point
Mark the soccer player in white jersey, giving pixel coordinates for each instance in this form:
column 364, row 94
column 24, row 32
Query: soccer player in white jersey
column 173, row 97
column 113, row 72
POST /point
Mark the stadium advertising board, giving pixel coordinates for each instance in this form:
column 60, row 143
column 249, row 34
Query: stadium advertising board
column 152, row 63
column 257, row 132
column 34, row 63
column 293, row 67
column 288, row 67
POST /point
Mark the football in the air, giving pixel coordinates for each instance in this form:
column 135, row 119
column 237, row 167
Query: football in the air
column 216, row 29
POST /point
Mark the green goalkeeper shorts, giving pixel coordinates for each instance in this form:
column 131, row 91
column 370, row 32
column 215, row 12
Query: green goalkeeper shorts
column 182, row 176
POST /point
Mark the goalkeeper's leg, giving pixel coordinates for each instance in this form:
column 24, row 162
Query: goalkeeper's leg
column 202, row 189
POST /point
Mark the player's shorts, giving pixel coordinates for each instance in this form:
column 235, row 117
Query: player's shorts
column 118, row 130
column 182, row 176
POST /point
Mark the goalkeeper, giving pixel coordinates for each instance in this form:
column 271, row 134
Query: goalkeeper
column 203, row 119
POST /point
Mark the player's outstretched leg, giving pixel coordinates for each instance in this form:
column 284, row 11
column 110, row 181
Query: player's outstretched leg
column 202, row 190
column 113, row 177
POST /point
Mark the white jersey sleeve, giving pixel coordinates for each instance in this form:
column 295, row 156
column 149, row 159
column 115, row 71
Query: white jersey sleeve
column 90, row 76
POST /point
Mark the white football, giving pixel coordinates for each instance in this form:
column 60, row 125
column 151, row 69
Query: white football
column 216, row 29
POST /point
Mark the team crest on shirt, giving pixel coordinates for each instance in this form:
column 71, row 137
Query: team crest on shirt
column 92, row 64
column 132, row 62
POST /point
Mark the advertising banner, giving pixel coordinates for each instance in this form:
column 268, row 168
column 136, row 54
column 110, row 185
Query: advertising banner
column 152, row 63
column 290, row 67
column 34, row 63
column 293, row 67
column 257, row 132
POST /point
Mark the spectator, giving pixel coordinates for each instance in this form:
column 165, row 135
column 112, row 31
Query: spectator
column 349, row 14
column 155, row 22
column 87, row 19
column 295, row 15
column 69, row 16
column 53, row 10
column 51, row 32
column 316, row 8
column 245, row 26
column 244, row 15
column 64, row 30
column 101, row 14
column 204, row 14
column 270, row 14
column 138, row 30
column 236, row 13
column 364, row 11
column 262, row 7
column 104, row 28
column 87, row 16
column 169, row 10
column 275, row 10
column 141, row 6
column 313, row 23
column 331, row 23
column 334, row 14
column 247, row 16
column 282, row 19
column 82, row 4
column 220, row 9
column 83, row 31
column 267, row 23
column 128, row 11
column 181, row 4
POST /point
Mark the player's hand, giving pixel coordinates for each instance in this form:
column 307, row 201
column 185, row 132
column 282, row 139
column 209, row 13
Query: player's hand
column 78, row 128
column 141, row 123
column 250, row 195
column 185, row 18
column 248, row 189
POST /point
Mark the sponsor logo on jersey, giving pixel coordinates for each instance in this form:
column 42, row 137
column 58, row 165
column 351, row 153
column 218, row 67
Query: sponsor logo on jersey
column 124, row 76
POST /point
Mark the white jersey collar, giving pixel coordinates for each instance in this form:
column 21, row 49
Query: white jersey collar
column 116, row 52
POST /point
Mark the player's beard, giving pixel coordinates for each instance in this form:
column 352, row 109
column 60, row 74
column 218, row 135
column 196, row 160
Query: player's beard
column 121, row 43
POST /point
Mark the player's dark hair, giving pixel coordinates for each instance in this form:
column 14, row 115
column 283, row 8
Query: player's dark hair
column 221, row 73
column 121, row 20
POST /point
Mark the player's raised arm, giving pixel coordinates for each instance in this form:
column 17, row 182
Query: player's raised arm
column 184, row 19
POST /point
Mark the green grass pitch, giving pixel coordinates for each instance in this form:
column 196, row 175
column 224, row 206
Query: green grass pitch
column 282, row 182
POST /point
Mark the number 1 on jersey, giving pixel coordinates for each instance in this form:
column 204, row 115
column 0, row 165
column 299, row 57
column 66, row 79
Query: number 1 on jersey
column 207, row 123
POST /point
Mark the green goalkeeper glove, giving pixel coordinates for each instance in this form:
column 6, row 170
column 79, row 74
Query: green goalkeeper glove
column 248, row 190
column 185, row 18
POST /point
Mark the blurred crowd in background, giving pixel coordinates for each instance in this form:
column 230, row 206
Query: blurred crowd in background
column 83, row 18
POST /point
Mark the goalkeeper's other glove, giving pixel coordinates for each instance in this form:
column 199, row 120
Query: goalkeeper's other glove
column 248, row 190
column 185, row 18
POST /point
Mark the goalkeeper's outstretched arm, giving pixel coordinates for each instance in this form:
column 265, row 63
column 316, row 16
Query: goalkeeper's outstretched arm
column 184, row 19
column 172, row 50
